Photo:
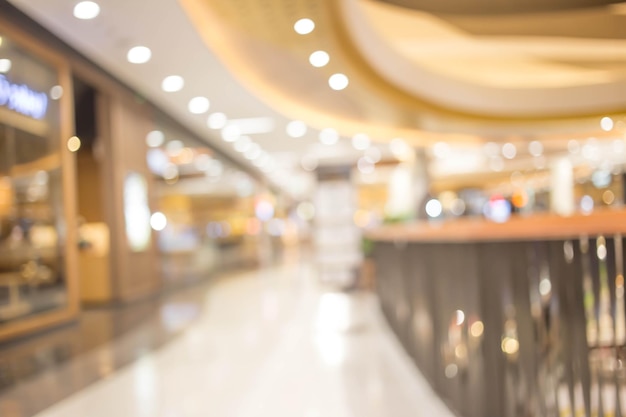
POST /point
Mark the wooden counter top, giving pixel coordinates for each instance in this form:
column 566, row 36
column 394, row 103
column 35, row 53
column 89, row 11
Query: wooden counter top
column 538, row 226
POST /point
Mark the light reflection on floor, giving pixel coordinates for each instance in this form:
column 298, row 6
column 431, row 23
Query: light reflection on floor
column 267, row 344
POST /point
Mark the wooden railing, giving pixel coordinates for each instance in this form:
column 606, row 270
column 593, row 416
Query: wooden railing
column 525, row 318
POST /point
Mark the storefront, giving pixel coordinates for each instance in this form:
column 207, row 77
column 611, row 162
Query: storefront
column 38, row 273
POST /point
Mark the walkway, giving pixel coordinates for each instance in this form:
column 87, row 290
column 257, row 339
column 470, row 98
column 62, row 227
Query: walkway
column 265, row 343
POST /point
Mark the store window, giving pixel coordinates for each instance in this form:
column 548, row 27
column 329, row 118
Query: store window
column 32, row 276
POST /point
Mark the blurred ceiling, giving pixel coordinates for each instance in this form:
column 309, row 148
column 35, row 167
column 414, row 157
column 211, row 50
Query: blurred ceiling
column 454, row 71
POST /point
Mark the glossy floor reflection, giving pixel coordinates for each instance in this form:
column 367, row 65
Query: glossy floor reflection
column 266, row 343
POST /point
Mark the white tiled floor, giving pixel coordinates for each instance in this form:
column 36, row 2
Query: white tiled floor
column 268, row 343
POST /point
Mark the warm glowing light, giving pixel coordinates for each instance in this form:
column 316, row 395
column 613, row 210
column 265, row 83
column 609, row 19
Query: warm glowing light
column 5, row 65
column 601, row 251
column 459, row 317
column 545, row 287
column 606, row 123
column 509, row 151
column 56, row 92
column 185, row 156
column 199, row 105
column 139, row 55
column 329, row 136
column 608, row 197
column 304, row 26
column 338, row 81
column 535, row 148
column 510, row 346
column 296, row 129
column 520, row 198
column 172, row 83
column 460, row 352
column 319, row 59
column 360, row 141
column 73, row 144
column 155, row 139
column 86, row 10
column 217, row 120
column 434, row 208
column 477, row 328
column 158, row 221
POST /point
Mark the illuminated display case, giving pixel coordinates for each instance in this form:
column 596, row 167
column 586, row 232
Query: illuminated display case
column 36, row 239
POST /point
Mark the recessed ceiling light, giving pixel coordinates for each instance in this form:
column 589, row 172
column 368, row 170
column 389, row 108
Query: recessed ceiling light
column 329, row 136
column 199, row 105
column 5, row 65
column 319, row 58
column 606, row 124
column 509, row 150
column 173, row 83
column 86, row 10
column 139, row 55
column 304, row 26
column 217, row 120
column 338, row 81
column 296, row 129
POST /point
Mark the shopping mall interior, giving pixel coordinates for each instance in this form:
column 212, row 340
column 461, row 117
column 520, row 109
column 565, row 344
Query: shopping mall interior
column 327, row 208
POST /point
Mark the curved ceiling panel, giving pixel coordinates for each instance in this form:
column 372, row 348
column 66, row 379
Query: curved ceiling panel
column 523, row 75
column 487, row 7
column 410, row 72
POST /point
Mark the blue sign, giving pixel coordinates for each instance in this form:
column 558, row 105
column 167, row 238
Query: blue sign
column 20, row 98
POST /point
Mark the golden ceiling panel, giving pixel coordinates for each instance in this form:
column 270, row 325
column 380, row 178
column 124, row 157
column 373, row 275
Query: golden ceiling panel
column 256, row 41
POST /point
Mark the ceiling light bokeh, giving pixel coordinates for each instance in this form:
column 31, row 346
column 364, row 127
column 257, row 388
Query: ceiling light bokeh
column 172, row 83
column 296, row 129
column 139, row 55
column 199, row 105
column 319, row 59
column 338, row 81
column 304, row 26
column 86, row 10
